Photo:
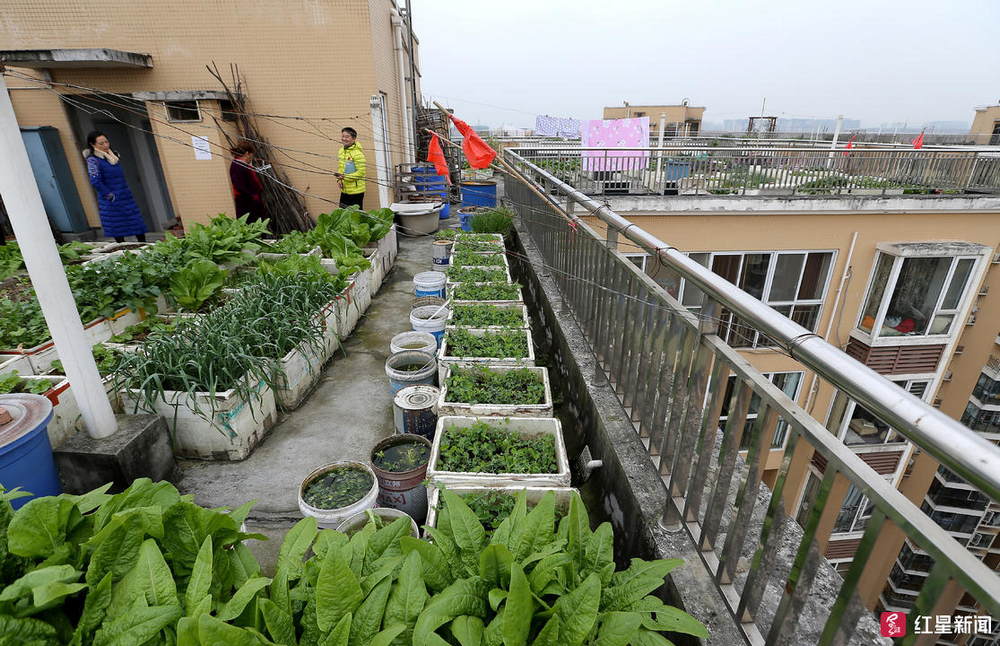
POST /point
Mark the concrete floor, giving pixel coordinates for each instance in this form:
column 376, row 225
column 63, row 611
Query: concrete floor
column 343, row 419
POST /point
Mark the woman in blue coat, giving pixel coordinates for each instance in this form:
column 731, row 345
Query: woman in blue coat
column 120, row 215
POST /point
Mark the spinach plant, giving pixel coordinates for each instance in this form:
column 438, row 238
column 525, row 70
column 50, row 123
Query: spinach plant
column 499, row 344
column 476, row 274
column 486, row 316
column 486, row 447
column 11, row 382
column 487, row 292
column 107, row 360
column 481, row 385
column 22, row 324
column 462, row 258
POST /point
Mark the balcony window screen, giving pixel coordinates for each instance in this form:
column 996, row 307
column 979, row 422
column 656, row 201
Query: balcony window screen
column 879, row 280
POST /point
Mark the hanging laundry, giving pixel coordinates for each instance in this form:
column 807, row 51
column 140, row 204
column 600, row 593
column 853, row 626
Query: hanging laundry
column 546, row 126
column 615, row 133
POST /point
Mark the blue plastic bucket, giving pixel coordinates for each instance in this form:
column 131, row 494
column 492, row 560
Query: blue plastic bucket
column 466, row 220
column 446, row 211
column 25, row 452
column 429, row 283
column 479, row 194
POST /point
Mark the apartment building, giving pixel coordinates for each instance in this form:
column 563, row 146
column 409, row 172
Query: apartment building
column 985, row 128
column 899, row 278
column 678, row 120
column 137, row 71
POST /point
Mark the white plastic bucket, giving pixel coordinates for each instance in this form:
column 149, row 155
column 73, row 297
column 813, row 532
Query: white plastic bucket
column 429, row 283
column 424, row 374
column 332, row 518
column 423, row 341
column 420, row 319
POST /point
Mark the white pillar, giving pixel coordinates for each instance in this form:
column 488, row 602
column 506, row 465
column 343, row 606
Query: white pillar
column 836, row 132
column 41, row 257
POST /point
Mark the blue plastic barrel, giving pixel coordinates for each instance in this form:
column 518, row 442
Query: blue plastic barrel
column 466, row 220
column 479, row 194
column 25, row 453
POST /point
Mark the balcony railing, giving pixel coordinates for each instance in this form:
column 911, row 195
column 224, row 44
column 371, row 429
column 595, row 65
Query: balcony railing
column 670, row 370
column 696, row 168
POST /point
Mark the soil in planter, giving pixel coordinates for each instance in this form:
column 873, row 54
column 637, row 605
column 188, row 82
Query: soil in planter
column 338, row 487
column 482, row 448
column 405, row 456
column 480, row 385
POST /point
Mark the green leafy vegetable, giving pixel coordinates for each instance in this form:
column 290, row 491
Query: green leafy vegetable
column 484, row 447
column 460, row 342
column 486, row 292
column 197, row 282
column 481, row 316
column 476, row 274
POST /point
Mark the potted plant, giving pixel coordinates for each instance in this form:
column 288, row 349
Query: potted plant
column 400, row 464
column 466, row 346
column 490, row 451
column 467, row 274
column 334, row 492
column 487, row 317
column 495, row 391
column 492, row 504
column 493, row 293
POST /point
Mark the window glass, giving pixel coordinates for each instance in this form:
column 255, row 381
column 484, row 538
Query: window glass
column 815, row 275
column 915, row 296
column 754, row 273
column 864, row 428
column 727, row 266
column 786, row 276
column 957, row 286
column 805, row 315
column 692, row 295
column 883, row 268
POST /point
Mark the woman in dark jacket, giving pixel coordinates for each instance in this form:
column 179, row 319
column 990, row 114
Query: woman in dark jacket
column 120, row 215
column 247, row 188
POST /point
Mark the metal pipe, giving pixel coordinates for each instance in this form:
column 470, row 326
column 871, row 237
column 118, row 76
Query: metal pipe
column 41, row 257
column 955, row 446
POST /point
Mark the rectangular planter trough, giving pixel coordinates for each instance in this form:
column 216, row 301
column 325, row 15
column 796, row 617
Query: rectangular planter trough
column 42, row 355
column 529, row 426
column 510, row 301
column 18, row 363
column 532, row 496
column 521, row 309
column 301, row 369
column 445, row 358
column 65, row 411
column 231, row 433
column 446, row 407
column 502, row 274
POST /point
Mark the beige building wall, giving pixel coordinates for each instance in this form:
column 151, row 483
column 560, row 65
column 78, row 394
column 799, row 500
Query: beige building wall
column 307, row 58
column 985, row 121
column 674, row 114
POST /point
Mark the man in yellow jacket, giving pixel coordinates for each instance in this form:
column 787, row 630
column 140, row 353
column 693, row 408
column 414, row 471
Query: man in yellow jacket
column 351, row 170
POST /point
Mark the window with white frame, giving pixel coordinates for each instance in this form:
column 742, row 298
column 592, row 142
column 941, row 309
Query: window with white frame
column 638, row 259
column 859, row 427
column 182, row 111
column 788, row 382
column 915, row 296
column 792, row 282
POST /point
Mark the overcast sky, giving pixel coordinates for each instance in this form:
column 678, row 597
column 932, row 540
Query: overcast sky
column 874, row 60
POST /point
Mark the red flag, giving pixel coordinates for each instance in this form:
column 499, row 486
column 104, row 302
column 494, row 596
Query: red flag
column 436, row 156
column 477, row 151
column 850, row 144
column 919, row 141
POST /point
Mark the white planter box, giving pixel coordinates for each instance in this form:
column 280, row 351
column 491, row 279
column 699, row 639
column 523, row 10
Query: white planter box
column 494, row 237
column 123, row 319
column 510, row 306
column 516, row 301
column 446, row 407
column 65, row 411
column 444, row 359
column 42, row 355
column 273, row 257
column 301, row 369
column 499, row 253
column 503, row 273
column 342, row 315
column 532, row 427
column 532, row 496
column 18, row 363
column 231, row 433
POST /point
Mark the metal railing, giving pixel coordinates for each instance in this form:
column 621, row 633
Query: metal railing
column 670, row 371
column 696, row 168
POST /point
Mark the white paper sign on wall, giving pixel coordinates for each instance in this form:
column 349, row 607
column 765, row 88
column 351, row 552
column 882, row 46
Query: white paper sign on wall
column 202, row 147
